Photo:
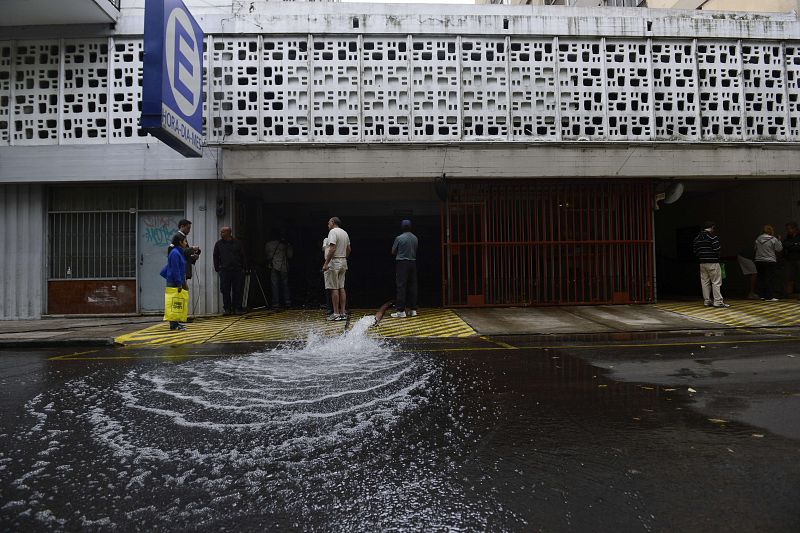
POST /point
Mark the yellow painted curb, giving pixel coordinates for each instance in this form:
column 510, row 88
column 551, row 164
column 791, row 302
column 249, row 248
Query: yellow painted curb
column 293, row 325
column 741, row 313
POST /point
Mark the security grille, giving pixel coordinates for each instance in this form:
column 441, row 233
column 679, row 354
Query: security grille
column 553, row 243
column 87, row 245
column 92, row 230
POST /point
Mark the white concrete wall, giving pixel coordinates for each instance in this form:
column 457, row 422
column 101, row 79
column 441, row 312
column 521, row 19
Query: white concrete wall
column 103, row 163
column 481, row 161
column 778, row 6
column 201, row 201
column 22, row 241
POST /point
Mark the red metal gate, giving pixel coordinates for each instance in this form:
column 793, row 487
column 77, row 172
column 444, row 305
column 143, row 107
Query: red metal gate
column 518, row 243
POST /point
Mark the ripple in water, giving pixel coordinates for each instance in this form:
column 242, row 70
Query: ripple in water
column 341, row 432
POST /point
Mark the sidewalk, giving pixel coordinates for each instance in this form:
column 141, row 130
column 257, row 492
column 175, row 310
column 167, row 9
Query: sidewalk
column 432, row 323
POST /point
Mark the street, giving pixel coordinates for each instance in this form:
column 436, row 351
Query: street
column 690, row 431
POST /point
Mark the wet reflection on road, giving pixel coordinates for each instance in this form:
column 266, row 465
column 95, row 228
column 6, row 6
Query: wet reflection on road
column 357, row 434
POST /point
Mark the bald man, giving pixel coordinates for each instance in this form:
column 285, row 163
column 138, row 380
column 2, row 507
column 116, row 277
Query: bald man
column 229, row 261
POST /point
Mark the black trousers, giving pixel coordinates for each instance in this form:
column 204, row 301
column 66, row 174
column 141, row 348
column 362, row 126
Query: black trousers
column 232, row 286
column 406, row 279
column 766, row 278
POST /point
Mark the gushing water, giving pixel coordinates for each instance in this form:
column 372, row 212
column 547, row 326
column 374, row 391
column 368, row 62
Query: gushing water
column 297, row 431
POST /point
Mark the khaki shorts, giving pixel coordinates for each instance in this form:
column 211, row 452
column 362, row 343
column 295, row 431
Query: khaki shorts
column 334, row 276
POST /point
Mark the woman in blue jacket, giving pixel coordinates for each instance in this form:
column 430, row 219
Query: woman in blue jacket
column 175, row 271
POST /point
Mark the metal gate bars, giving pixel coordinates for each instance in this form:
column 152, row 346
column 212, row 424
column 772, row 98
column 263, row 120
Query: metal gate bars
column 547, row 243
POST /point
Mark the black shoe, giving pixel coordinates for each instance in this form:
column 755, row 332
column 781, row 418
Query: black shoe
column 227, row 312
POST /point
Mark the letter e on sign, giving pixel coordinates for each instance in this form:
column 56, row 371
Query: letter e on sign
column 183, row 62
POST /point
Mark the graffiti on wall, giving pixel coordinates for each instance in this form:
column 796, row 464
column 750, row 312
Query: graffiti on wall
column 159, row 229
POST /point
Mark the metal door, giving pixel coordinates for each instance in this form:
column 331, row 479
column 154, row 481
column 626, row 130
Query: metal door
column 154, row 235
column 544, row 243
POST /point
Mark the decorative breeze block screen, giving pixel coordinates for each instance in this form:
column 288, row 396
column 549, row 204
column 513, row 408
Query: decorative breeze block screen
column 675, row 91
column 36, row 79
column 484, row 88
column 792, row 58
column 764, row 90
column 385, row 86
column 235, row 89
column 126, row 91
column 436, row 98
column 336, row 110
column 533, row 89
column 284, row 104
column 582, row 87
column 5, row 90
column 418, row 88
column 85, row 105
column 628, row 84
column 720, row 90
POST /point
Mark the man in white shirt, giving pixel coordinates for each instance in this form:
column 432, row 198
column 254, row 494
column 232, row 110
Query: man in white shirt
column 335, row 267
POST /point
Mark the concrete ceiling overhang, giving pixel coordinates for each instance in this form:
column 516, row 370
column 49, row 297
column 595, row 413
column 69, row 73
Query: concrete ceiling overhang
column 56, row 12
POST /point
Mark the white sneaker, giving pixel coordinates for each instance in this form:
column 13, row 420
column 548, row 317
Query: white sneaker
column 772, row 300
column 398, row 314
column 413, row 312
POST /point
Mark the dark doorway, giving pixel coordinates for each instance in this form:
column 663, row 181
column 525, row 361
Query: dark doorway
column 371, row 215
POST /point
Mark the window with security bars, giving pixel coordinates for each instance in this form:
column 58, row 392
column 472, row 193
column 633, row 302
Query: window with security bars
column 92, row 230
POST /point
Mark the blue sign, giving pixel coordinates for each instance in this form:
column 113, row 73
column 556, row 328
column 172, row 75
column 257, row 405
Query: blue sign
column 172, row 92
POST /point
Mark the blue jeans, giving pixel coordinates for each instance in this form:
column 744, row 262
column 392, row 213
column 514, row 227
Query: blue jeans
column 280, row 287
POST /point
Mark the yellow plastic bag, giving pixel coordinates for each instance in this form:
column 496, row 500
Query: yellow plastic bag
column 176, row 305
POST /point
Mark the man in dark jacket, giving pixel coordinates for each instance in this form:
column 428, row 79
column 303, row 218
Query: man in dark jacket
column 229, row 261
column 706, row 249
column 190, row 253
column 791, row 252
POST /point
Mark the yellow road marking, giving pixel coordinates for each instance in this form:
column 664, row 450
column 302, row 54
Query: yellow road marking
column 294, row 325
column 58, row 357
column 501, row 344
column 742, row 313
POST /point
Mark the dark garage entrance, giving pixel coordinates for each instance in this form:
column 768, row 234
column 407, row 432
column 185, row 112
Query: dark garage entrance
column 370, row 213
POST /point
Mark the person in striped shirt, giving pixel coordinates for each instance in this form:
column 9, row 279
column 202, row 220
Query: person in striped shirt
column 706, row 249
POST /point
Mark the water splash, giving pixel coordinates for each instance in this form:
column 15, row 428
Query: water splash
column 221, row 439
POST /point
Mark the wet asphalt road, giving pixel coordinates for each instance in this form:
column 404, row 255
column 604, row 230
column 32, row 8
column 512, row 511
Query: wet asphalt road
column 691, row 431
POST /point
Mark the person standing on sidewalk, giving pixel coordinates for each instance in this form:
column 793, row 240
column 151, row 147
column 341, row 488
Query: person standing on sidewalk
column 335, row 267
column 767, row 248
column 229, row 262
column 279, row 251
column 706, row 249
column 791, row 252
column 191, row 253
column 404, row 251
column 175, row 270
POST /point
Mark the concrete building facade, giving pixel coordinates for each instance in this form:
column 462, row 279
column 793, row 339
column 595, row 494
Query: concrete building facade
column 528, row 145
column 763, row 6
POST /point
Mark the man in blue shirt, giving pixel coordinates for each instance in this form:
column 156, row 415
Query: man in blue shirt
column 404, row 251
